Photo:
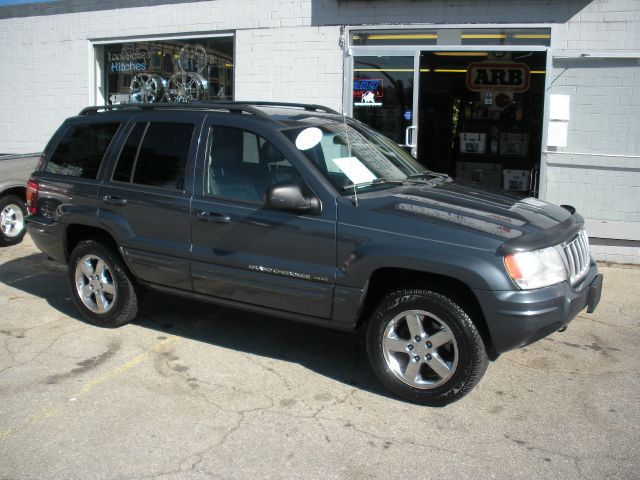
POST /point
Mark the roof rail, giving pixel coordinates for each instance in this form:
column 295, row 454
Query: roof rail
column 307, row 106
column 242, row 107
column 200, row 105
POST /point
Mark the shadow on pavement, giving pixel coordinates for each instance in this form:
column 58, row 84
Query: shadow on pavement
column 337, row 355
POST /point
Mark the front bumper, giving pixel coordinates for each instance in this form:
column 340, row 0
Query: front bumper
column 516, row 318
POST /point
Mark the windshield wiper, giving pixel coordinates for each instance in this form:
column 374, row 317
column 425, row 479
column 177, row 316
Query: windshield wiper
column 428, row 174
column 377, row 181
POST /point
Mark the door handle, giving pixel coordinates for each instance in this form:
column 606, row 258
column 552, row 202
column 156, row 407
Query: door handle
column 213, row 217
column 409, row 135
column 114, row 200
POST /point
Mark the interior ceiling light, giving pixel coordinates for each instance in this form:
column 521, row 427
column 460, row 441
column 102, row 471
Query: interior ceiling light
column 461, row 54
column 531, row 35
column 383, row 69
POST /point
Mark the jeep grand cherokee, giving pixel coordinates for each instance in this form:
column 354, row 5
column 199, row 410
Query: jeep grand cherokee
column 299, row 212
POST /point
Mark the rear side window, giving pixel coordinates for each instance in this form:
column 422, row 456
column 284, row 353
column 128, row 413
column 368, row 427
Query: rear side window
column 160, row 160
column 81, row 150
column 129, row 153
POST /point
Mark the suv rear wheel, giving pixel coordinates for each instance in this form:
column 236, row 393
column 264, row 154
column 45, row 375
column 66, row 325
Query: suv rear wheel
column 425, row 348
column 101, row 286
column 12, row 213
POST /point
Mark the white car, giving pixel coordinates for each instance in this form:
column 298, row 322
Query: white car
column 14, row 173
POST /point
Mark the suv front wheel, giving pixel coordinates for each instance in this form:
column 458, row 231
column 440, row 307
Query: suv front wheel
column 100, row 285
column 425, row 348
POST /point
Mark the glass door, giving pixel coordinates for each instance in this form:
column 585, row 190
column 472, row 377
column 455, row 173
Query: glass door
column 383, row 96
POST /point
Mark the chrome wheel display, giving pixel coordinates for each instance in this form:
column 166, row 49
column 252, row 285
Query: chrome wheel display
column 420, row 349
column 95, row 284
column 186, row 87
column 193, row 58
column 12, row 221
column 146, row 88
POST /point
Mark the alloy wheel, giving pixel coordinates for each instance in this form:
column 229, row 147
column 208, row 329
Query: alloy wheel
column 95, row 284
column 420, row 349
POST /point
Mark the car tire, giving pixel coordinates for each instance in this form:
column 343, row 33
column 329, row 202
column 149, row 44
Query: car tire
column 101, row 286
column 425, row 348
column 12, row 214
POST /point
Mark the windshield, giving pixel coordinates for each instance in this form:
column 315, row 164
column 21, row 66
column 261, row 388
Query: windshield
column 349, row 154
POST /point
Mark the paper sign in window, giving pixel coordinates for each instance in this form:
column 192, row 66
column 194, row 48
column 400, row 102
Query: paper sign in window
column 354, row 170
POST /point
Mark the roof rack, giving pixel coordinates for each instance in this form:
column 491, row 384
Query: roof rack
column 242, row 107
column 201, row 105
column 307, row 106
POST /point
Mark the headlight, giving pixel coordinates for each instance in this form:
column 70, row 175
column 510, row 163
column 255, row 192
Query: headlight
column 536, row 269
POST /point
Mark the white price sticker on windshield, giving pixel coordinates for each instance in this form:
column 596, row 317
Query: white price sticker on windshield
column 354, row 170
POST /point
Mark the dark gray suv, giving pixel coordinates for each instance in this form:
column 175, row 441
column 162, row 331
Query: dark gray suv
column 299, row 212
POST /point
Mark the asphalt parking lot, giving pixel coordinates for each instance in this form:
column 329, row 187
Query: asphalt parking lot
column 194, row 391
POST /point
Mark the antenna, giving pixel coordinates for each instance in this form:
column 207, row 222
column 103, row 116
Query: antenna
column 346, row 134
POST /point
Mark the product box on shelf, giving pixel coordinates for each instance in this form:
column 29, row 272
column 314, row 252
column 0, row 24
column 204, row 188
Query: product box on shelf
column 473, row 142
column 516, row 180
column 516, row 144
column 489, row 174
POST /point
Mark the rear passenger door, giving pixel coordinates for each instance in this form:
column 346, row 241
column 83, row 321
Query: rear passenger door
column 145, row 198
column 247, row 253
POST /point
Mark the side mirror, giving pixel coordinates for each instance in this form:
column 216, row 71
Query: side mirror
column 290, row 197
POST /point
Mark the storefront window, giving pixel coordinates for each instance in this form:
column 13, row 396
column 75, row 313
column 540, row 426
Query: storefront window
column 172, row 71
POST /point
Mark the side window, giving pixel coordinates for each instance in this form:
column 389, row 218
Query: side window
column 160, row 160
column 333, row 150
column 251, row 148
column 129, row 153
column 81, row 150
column 242, row 165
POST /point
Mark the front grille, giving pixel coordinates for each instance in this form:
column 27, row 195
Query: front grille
column 576, row 257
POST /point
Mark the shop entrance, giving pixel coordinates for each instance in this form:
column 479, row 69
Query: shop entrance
column 480, row 116
column 466, row 102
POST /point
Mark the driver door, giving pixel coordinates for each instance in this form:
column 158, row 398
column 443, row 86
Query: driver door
column 246, row 253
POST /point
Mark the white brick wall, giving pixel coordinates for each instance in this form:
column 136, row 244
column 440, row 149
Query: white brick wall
column 599, row 170
column 302, row 64
column 616, row 252
column 47, row 59
column 288, row 50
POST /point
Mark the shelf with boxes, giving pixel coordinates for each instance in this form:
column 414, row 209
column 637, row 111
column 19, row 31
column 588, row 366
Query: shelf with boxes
column 494, row 175
column 496, row 152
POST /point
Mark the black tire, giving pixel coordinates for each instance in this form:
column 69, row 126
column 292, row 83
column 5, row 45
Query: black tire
column 12, row 213
column 110, row 299
column 458, row 364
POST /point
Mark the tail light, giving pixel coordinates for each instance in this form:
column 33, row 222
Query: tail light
column 32, row 196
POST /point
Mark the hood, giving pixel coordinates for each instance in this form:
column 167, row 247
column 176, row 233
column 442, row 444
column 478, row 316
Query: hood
column 493, row 215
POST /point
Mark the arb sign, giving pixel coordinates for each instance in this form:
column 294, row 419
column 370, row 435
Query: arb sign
column 503, row 76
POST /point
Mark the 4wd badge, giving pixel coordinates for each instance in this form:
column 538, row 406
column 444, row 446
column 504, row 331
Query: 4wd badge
column 502, row 76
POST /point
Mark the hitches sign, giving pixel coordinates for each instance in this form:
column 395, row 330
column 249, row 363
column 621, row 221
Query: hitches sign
column 498, row 77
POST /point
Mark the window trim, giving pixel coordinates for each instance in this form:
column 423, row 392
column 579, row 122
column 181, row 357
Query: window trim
column 135, row 159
